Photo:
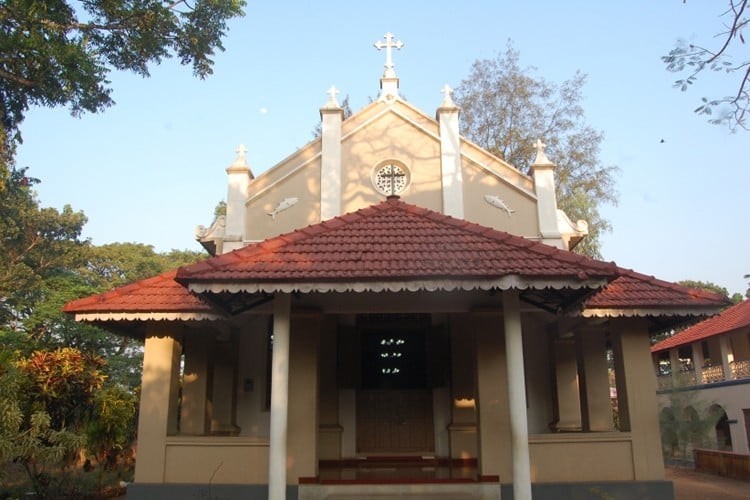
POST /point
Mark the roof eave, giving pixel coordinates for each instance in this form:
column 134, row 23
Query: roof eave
column 398, row 285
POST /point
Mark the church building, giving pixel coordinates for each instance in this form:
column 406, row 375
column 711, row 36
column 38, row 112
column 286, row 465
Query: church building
column 392, row 310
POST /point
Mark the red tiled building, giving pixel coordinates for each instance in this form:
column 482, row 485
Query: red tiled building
column 712, row 360
column 393, row 310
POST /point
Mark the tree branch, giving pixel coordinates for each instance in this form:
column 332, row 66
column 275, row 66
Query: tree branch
column 16, row 79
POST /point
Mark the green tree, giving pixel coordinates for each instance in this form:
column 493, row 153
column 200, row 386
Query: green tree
column 35, row 244
column 691, row 60
column 62, row 383
column 27, row 433
column 58, row 52
column 713, row 288
column 505, row 109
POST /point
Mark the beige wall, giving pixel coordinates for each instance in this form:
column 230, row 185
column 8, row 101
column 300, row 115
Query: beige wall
column 539, row 396
column 733, row 399
column 390, row 137
column 253, row 417
column 478, row 183
column 374, row 135
column 216, row 460
column 581, row 457
column 295, row 179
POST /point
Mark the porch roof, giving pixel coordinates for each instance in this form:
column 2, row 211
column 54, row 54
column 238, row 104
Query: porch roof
column 636, row 294
column 156, row 298
column 394, row 246
column 734, row 318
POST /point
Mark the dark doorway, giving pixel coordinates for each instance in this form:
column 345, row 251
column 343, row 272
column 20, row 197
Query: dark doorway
column 394, row 401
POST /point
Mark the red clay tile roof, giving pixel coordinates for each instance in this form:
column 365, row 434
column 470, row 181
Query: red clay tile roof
column 734, row 318
column 389, row 241
column 158, row 294
column 636, row 290
column 394, row 241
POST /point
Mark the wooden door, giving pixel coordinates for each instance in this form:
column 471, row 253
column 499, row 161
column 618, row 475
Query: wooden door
column 395, row 421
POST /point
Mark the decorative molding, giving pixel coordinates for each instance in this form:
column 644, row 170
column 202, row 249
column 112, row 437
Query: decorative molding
column 283, row 205
column 215, row 231
column 504, row 283
column 148, row 316
column 496, row 202
column 645, row 312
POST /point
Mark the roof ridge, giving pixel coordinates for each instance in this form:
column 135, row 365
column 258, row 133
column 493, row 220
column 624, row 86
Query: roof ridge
column 674, row 286
column 340, row 222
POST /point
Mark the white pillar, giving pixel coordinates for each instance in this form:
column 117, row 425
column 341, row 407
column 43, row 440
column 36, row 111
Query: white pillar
column 543, row 172
column 519, row 427
column 279, row 397
column 331, row 116
column 239, row 177
column 450, row 157
column 698, row 362
column 674, row 362
column 727, row 356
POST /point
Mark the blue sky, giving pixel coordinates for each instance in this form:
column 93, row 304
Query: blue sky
column 151, row 168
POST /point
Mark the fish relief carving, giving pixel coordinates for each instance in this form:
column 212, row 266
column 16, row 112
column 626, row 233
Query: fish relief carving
column 283, row 205
column 496, row 202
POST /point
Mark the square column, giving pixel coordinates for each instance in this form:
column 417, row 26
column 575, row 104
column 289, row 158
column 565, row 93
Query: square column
column 698, row 363
column 596, row 406
column 158, row 410
column 566, row 382
column 492, row 416
column 727, row 356
column 196, row 385
column 636, row 396
column 302, row 422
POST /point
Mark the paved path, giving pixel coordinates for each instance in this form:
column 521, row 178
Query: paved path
column 691, row 485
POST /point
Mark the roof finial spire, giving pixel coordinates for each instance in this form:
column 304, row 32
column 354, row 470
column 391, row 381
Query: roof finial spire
column 332, row 101
column 388, row 45
column 448, row 101
column 541, row 157
column 389, row 81
column 240, row 161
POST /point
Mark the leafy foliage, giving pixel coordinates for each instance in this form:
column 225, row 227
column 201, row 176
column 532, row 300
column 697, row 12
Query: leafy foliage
column 113, row 427
column 27, row 433
column 58, row 53
column 36, row 244
column 505, row 109
column 694, row 59
column 62, row 383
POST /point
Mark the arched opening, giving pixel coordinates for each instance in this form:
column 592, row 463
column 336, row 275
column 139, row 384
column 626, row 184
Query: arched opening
column 721, row 428
column 669, row 434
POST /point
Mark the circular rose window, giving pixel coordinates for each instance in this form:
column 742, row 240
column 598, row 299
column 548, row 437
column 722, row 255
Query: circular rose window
column 390, row 178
